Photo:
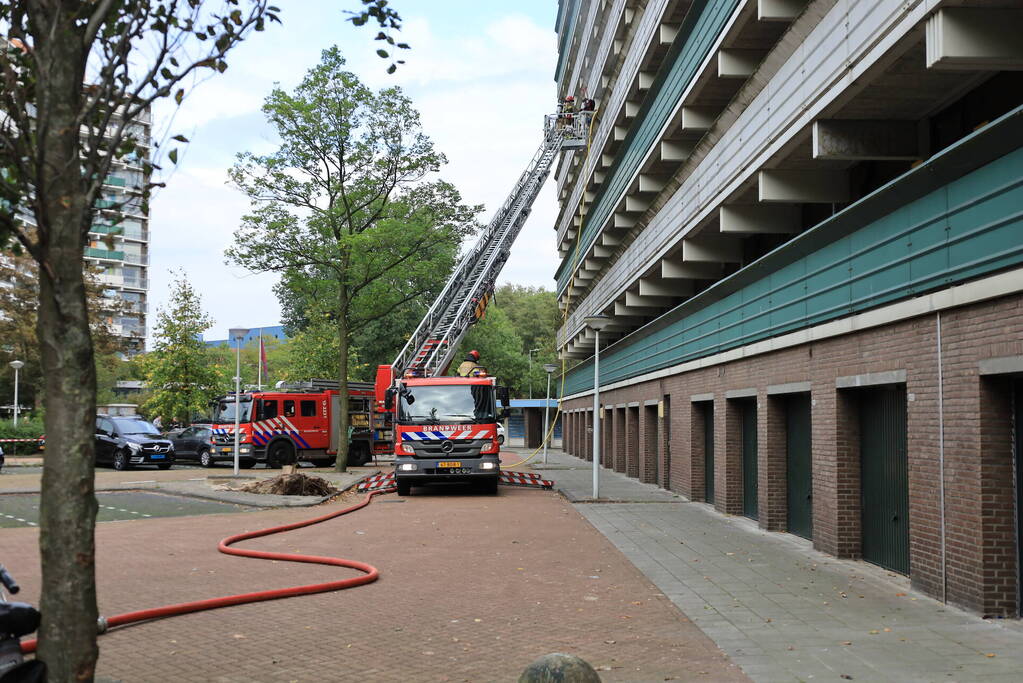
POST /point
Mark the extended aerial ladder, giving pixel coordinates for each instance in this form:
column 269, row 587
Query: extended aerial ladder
column 464, row 298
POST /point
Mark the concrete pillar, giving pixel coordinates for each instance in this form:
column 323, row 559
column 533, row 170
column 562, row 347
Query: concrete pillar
column 728, row 457
column 971, row 38
column 803, row 186
column 779, row 10
column 748, row 219
column 772, row 507
column 632, row 437
column 673, row 151
column 866, row 140
column 621, row 440
column 734, row 63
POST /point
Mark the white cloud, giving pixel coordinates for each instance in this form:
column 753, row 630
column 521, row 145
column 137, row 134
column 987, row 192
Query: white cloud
column 482, row 92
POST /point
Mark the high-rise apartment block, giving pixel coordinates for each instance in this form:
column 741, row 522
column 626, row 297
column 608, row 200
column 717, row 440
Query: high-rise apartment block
column 803, row 219
column 118, row 248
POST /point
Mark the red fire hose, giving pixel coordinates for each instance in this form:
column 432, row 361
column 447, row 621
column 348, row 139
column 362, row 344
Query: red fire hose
column 371, row 574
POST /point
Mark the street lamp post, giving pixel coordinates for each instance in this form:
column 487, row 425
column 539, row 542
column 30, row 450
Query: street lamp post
column 596, row 323
column 237, row 334
column 530, row 354
column 549, row 368
column 17, row 365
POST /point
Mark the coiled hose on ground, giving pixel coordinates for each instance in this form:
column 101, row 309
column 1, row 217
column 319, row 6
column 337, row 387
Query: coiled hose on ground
column 370, row 575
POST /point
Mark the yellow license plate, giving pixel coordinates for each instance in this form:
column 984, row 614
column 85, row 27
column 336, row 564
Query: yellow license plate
column 450, row 463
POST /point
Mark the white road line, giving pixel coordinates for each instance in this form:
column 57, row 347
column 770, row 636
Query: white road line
column 144, row 481
column 18, row 519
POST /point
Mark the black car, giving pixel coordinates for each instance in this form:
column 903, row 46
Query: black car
column 192, row 443
column 125, row 442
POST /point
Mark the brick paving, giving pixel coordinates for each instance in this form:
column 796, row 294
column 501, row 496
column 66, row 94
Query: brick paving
column 473, row 588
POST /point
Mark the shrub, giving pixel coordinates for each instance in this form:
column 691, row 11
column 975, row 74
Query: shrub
column 28, row 428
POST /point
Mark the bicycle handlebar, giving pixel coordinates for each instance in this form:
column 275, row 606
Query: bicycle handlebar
column 8, row 581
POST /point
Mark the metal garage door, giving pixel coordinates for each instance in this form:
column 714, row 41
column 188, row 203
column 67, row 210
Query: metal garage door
column 798, row 466
column 749, row 458
column 884, row 478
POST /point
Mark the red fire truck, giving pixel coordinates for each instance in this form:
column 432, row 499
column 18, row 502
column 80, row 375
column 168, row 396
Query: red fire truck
column 444, row 428
column 295, row 422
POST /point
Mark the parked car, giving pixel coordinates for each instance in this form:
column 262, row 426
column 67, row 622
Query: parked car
column 192, row 443
column 500, row 433
column 124, row 442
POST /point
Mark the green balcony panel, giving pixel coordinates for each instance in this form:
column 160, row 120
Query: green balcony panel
column 107, row 229
column 964, row 228
column 115, row 181
column 104, row 254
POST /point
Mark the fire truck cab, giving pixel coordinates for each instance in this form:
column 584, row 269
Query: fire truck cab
column 445, row 429
column 293, row 423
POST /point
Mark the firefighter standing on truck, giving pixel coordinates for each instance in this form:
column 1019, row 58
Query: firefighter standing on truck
column 470, row 364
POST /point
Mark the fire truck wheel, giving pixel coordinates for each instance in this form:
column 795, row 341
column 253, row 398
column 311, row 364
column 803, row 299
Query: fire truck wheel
column 489, row 487
column 279, row 454
column 404, row 488
column 204, row 458
column 247, row 463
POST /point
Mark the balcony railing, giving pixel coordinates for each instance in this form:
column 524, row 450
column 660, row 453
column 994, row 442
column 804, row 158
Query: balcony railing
column 135, row 282
column 140, row 259
column 107, row 229
column 115, row 181
column 104, row 254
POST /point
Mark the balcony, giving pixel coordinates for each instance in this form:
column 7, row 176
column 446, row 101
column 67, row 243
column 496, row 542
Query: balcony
column 107, row 254
column 106, row 229
column 135, row 282
column 115, row 181
column 138, row 259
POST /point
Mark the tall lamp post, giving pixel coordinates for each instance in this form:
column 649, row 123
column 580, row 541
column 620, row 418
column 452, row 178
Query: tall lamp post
column 237, row 334
column 596, row 323
column 17, row 365
column 549, row 368
column 530, row 354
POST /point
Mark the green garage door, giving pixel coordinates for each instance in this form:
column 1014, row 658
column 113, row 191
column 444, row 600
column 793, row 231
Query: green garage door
column 749, row 458
column 798, row 466
column 884, row 478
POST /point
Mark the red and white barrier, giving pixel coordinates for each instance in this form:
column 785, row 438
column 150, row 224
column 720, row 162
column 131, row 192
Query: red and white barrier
column 385, row 480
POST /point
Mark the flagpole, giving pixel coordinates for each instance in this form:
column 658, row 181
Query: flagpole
column 259, row 363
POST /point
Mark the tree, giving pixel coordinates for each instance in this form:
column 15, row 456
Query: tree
column 75, row 74
column 343, row 209
column 181, row 371
column 19, row 313
column 519, row 319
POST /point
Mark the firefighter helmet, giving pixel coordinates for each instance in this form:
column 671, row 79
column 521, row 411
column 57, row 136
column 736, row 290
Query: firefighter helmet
column 474, row 354
column 570, row 99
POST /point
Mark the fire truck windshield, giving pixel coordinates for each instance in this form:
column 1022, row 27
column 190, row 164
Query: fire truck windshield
column 456, row 404
column 224, row 411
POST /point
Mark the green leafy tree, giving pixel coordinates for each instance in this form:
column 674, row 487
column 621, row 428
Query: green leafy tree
column 75, row 75
column 344, row 210
column 519, row 319
column 181, row 370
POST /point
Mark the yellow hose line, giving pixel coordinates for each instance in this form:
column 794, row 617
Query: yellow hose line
column 575, row 261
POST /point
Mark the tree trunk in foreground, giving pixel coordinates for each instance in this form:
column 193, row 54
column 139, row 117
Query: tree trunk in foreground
column 67, row 637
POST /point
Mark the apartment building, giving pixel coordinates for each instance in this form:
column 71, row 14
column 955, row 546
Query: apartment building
column 802, row 219
column 118, row 249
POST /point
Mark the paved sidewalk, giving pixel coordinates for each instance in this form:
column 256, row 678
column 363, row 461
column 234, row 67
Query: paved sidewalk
column 781, row 610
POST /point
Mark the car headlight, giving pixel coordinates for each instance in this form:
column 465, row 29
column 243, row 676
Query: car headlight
column 244, row 449
column 488, row 465
column 408, row 467
column 407, row 449
column 134, row 447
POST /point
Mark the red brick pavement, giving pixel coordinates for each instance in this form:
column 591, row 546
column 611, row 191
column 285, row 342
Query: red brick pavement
column 472, row 588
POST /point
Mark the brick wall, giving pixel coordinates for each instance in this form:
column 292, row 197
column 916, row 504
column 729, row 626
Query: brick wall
column 980, row 564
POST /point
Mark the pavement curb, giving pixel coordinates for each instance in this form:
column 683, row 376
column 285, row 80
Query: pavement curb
column 258, row 500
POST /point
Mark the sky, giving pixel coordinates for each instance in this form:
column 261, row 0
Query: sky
column 480, row 73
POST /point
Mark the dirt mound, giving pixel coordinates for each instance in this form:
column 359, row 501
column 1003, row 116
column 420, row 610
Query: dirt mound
column 291, row 485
